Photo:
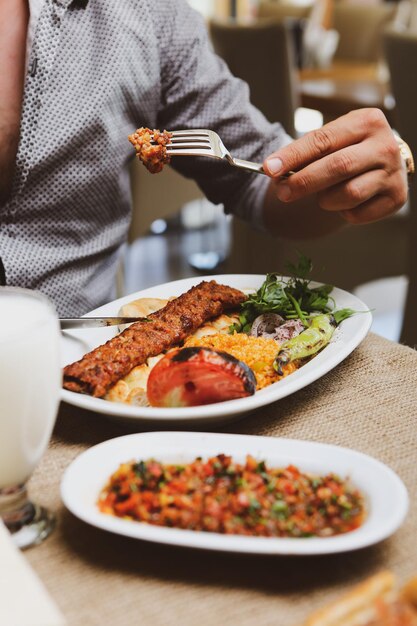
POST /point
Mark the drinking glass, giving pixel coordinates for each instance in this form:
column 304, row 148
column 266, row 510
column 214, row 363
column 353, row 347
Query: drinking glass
column 30, row 381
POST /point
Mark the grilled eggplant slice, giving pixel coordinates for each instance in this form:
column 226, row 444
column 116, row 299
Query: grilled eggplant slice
column 196, row 376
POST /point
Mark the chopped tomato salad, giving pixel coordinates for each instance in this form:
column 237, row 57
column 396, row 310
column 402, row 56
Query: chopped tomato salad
column 219, row 495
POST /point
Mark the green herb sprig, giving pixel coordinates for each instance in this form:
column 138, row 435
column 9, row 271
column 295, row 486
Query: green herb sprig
column 292, row 298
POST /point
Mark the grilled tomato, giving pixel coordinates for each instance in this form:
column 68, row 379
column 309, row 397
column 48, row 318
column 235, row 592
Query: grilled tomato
column 195, row 376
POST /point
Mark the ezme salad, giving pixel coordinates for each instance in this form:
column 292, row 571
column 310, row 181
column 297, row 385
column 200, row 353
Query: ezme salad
column 222, row 496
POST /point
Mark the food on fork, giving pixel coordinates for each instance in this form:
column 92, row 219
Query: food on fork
column 197, row 376
column 150, row 146
column 375, row 602
column 223, row 496
column 101, row 368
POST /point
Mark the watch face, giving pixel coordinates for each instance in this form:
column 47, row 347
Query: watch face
column 406, row 154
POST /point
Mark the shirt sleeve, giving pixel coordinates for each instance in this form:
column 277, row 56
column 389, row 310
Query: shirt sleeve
column 198, row 91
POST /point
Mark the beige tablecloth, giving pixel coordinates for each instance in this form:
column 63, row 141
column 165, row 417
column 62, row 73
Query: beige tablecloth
column 369, row 402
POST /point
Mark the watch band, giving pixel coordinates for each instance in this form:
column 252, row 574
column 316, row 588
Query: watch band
column 406, row 154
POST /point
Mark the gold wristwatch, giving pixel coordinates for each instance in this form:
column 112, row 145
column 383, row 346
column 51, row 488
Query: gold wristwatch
column 406, row 154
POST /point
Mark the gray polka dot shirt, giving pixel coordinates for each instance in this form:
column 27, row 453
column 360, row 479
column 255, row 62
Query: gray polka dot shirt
column 98, row 69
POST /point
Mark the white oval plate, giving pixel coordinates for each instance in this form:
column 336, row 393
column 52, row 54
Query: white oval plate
column 346, row 338
column 385, row 494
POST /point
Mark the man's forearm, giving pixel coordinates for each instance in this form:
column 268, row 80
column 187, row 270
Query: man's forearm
column 303, row 219
column 14, row 18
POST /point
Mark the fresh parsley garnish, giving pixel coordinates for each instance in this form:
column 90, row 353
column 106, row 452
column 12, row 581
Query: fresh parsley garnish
column 292, row 298
column 343, row 314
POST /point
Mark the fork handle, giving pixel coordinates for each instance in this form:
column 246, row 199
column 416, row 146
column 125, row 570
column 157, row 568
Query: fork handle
column 247, row 165
column 255, row 167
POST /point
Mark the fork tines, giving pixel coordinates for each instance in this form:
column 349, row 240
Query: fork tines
column 207, row 143
column 189, row 142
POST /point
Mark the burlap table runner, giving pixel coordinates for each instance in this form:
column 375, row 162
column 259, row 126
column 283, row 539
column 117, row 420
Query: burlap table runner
column 369, row 402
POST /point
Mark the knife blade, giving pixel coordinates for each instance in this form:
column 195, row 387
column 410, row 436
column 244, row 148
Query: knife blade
column 93, row 322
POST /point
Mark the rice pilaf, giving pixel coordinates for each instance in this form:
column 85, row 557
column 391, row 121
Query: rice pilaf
column 258, row 353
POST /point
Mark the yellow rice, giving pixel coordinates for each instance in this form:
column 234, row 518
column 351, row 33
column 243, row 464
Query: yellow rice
column 258, row 353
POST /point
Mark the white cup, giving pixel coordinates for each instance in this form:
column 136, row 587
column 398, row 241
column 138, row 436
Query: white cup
column 30, row 382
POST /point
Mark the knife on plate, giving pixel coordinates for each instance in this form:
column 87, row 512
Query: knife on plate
column 93, row 322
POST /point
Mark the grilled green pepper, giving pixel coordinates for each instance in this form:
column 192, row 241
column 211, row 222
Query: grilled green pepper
column 307, row 343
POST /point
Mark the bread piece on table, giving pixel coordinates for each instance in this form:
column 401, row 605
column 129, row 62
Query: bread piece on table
column 357, row 607
column 375, row 602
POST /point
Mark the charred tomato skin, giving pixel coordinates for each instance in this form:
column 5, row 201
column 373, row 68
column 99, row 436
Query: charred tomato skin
column 196, row 376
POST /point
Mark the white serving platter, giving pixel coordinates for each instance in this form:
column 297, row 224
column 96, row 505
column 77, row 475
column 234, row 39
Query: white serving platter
column 346, row 338
column 385, row 495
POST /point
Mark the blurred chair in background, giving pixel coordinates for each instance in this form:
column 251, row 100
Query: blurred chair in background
column 230, row 8
column 360, row 27
column 284, row 9
column 406, row 16
column 401, row 54
column 262, row 54
column 320, row 40
column 295, row 16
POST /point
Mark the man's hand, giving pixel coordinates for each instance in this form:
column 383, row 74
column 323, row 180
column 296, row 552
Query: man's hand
column 352, row 165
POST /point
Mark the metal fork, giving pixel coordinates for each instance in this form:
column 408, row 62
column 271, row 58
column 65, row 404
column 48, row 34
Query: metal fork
column 202, row 142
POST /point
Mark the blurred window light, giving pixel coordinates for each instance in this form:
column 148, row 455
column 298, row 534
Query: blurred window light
column 158, row 227
column 307, row 119
column 205, row 261
column 205, row 7
column 201, row 213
